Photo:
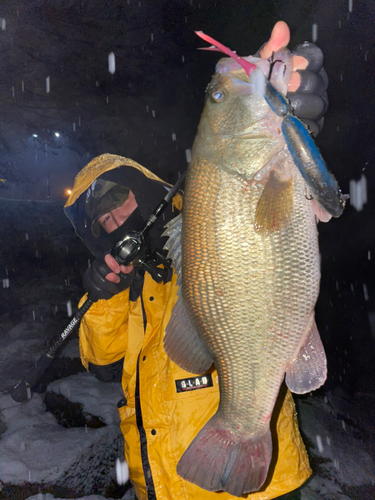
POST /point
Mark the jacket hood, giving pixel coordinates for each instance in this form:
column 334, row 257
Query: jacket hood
column 148, row 188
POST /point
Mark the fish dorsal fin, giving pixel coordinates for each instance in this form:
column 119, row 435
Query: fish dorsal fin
column 308, row 370
column 173, row 245
column 181, row 341
column 275, row 205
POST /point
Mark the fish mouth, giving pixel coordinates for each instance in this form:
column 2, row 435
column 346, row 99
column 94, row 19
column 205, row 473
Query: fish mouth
column 252, row 132
column 249, row 134
column 229, row 65
column 277, row 69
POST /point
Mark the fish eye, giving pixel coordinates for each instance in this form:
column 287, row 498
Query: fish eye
column 218, row 95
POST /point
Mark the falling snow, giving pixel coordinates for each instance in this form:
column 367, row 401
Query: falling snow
column 69, row 308
column 314, row 32
column 122, row 471
column 358, row 193
column 111, row 63
column 319, row 444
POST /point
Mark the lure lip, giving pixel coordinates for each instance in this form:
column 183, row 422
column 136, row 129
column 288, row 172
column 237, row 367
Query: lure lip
column 219, row 47
column 307, row 158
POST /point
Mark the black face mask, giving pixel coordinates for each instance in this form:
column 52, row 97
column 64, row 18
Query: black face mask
column 135, row 222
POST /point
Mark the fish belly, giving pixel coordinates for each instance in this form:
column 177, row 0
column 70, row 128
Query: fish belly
column 251, row 297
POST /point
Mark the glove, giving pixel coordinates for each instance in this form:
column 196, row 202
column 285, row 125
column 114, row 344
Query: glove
column 98, row 287
column 310, row 101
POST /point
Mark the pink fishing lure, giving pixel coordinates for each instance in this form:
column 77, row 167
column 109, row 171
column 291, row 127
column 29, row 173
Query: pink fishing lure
column 246, row 65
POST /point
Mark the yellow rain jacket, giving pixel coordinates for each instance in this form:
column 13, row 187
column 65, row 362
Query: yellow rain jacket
column 165, row 405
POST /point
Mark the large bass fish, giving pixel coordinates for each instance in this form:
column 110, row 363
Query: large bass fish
column 254, row 190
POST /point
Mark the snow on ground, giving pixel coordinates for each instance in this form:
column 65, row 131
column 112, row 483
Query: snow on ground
column 98, row 398
column 33, row 432
column 35, row 448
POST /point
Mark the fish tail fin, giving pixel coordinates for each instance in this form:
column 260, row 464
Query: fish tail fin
column 219, row 460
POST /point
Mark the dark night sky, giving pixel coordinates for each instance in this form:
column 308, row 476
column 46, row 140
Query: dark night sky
column 157, row 94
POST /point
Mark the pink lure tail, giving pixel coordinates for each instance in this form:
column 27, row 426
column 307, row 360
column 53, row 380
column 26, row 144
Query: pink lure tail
column 247, row 66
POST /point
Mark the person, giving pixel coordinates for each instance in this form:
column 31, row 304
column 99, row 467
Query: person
column 121, row 336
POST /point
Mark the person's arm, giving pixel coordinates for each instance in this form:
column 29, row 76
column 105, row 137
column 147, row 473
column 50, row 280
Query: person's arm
column 103, row 330
column 103, row 337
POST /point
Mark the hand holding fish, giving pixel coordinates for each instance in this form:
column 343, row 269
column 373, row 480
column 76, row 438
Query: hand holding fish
column 280, row 37
column 308, row 81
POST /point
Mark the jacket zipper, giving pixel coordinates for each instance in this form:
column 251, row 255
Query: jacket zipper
column 142, row 432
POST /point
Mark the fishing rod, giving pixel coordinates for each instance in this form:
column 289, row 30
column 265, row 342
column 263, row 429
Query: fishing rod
column 132, row 249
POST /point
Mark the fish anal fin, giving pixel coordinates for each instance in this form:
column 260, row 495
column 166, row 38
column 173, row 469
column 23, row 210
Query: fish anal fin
column 219, row 460
column 275, row 205
column 308, row 370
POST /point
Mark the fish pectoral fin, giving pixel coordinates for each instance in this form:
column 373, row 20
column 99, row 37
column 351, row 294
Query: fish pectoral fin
column 308, row 370
column 182, row 343
column 275, row 205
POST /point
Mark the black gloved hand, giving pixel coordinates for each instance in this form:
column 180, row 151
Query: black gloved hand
column 310, row 101
column 98, row 287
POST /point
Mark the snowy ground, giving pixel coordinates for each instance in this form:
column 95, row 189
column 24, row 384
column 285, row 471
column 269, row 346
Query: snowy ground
column 64, row 442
